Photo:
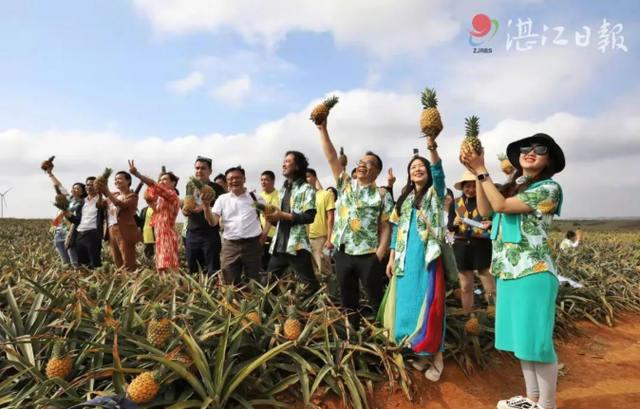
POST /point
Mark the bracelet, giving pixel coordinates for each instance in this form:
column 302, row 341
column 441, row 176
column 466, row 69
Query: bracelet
column 432, row 147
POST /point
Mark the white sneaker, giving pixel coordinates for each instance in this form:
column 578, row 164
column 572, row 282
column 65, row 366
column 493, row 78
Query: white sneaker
column 421, row 363
column 517, row 402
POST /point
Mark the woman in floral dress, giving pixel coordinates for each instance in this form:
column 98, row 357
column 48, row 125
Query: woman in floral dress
column 523, row 262
column 164, row 218
column 414, row 307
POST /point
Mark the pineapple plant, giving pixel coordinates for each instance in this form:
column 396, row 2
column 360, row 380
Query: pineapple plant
column 102, row 181
column 471, row 141
column 321, row 112
column 61, row 200
column 47, row 165
column 505, row 165
column 292, row 326
column 159, row 330
column 430, row 121
column 343, row 159
column 145, row 386
column 472, row 326
column 60, row 364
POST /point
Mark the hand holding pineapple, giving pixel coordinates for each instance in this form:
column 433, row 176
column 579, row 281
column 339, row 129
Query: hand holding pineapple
column 207, row 198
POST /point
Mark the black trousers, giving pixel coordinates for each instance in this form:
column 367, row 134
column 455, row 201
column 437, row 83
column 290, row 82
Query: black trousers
column 203, row 251
column 300, row 263
column 266, row 256
column 352, row 269
column 89, row 247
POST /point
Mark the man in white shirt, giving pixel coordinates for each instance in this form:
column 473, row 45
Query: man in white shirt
column 241, row 247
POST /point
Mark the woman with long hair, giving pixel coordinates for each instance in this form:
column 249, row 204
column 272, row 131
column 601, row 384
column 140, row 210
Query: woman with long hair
column 164, row 217
column 472, row 244
column 523, row 262
column 414, row 307
column 122, row 230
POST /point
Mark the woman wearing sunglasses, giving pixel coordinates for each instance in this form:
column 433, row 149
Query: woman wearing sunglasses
column 522, row 261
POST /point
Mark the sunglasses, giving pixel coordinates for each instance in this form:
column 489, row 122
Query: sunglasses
column 538, row 149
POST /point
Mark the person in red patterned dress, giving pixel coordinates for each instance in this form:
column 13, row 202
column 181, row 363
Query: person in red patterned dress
column 164, row 219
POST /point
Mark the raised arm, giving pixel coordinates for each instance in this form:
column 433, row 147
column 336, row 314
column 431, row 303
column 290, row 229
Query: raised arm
column 329, row 150
column 144, row 179
column 212, row 216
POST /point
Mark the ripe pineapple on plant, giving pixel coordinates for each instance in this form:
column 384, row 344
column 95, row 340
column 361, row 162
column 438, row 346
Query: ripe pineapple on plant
column 159, row 330
column 472, row 326
column 430, row 120
column 505, row 164
column 145, row 386
column 60, row 364
column 102, row 180
column 292, row 326
column 321, row 112
column 471, row 141
column 47, row 165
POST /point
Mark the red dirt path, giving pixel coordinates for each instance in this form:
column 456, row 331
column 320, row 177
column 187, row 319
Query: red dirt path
column 601, row 371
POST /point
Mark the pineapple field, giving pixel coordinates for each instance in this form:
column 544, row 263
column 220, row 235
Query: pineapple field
column 183, row 341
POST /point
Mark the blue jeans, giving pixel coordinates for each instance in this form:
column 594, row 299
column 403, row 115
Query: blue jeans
column 62, row 252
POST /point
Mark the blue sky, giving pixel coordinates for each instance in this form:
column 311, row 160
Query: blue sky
column 79, row 68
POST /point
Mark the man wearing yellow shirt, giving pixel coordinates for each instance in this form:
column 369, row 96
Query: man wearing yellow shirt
column 270, row 195
column 322, row 227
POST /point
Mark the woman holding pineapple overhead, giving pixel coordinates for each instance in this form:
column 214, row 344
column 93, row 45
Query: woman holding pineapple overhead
column 522, row 260
column 414, row 308
column 164, row 218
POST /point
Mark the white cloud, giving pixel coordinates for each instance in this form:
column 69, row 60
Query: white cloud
column 597, row 181
column 384, row 27
column 234, row 91
column 188, row 84
column 374, row 75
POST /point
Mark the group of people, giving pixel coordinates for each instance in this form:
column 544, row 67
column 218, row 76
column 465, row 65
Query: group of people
column 394, row 248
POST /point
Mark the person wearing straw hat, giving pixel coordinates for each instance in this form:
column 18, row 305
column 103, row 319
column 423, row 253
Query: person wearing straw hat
column 472, row 241
column 523, row 262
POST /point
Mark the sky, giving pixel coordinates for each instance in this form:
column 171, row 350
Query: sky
column 163, row 81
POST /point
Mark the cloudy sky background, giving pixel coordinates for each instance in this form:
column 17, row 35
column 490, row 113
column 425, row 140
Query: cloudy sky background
column 162, row 81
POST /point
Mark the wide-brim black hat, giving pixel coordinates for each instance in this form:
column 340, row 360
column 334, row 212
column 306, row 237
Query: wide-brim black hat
column 555, row 152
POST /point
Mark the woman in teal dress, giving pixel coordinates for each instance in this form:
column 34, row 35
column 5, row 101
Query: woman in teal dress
column 523, row 263
column 413, row 309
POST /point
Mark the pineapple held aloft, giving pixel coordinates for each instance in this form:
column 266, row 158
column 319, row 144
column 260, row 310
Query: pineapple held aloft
column 343, row 158
column 159, row 330
column 321, row 112
column 471, row 142
column 505, row 164
column 203, row 188
column 430, row 121
column 60, row 364
column 47, row 165
column 61, row 200
column 292, row 326
column 101, row 181
column 145, row 386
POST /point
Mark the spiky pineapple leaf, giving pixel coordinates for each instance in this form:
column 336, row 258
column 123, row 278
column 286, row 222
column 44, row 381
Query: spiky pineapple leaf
column 429, row 99
column 330, row 102
column 472, row 126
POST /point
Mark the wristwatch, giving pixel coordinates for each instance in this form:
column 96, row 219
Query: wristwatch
column 483, row 176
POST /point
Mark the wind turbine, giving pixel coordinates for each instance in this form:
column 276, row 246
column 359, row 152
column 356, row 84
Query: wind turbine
column 3, row 202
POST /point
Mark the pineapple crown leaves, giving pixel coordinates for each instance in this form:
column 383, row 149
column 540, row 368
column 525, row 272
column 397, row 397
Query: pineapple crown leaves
column 107, row 173
column 259, row 206
column 330, row 102
column 472, row 126
column 292, row 311
column 59, row 348
column 51, row 159
column 156, row 311
column 195, row 182
column 429, row 99
column 502, row 156
column 341, row 151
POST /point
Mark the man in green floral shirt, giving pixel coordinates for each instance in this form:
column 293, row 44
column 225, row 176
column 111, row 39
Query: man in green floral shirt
column 361, row 233
column 290, row 246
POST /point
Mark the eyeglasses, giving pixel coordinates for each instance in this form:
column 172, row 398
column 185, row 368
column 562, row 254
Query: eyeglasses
column 538, row 149
column 367, row 163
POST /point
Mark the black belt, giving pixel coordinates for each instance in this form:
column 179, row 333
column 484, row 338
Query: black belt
column 240, row 241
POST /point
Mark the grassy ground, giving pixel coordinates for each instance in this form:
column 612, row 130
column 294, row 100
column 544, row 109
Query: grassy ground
column 598, row 225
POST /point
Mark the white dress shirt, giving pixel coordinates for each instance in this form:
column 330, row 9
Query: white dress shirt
column 89, row 215
column 239, row 217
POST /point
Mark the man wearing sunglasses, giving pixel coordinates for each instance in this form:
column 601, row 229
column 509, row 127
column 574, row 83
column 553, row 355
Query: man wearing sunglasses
column 203, row 242
column 361, row 232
